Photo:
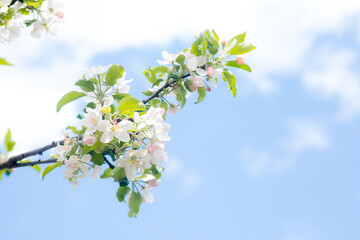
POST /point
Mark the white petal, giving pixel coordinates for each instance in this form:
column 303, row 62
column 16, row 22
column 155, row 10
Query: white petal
column 201, row 72
column 107, row 137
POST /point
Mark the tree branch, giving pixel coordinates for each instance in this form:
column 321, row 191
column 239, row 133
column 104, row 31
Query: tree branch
column 13, row 161
column 25, row 164
column 156, row 94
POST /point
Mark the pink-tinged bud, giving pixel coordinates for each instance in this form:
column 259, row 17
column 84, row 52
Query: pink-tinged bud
column 196, row 83
column 151, row 148
column 171, row 69
column 173, row 109
column 210, row 70
column 89, row 140
column 208, row 89
column 175, row 85
column 60, row 15
column 154, row 182
column 223, row 43
column 240, row 61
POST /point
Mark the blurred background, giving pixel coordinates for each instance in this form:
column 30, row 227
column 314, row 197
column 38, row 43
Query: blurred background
column 278, row 162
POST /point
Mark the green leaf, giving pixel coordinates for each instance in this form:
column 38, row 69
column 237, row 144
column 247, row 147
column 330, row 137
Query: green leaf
column 153, row 171
column 215, row 35
column 118, row 173
column 106, row 173
column 150, row 75
column 135, row 201
column 233, row 63
column 73, row 129
column 28, row 23
column 50, row 168
column 98, row 146
column 231, row 81
column 242, row 48
column 195, row 49
column 239, row 38
column 86, row 149
column 3, row 61
column 130, row 104
column 121, row 193
column 204, row 45
column 148, row 93
column 85, row 85
column 180, row 60
column 97, row 158
column 9, row 143
column 24, row 11
column 114, row 73
column 67, row 98
column 119, row 96
column 202, row 93
column 156, row 83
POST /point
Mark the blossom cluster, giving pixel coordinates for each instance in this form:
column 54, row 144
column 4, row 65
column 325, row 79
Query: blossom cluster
column 128, row 135
column 16, row 16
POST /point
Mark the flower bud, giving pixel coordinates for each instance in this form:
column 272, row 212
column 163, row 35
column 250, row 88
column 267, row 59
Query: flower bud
column 171, row 69
column 210, row 70
column 89, row 140
column 60, row 15
column 154, row 182
column 240, row 61
column 208, row 89
column 223, row 43
column 173, row 109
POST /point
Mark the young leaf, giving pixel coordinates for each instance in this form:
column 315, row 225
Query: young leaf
column 231, row 81
column 50, row 168
column 135, row 201
column 85, row 85
column 119, row 96
column 114, row 73
column 202, row 93
column 118, row 173
column 239, row 38
column 97, row 158
column 106, row 173
column 67, row 98
column 121, row 193
column 9, row 143
column 130, row 104
column 244, row 66
column 242, row 48
column 215, row 35
column 3, row 61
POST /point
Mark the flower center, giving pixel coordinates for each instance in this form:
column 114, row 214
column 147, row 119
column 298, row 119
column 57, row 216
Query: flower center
column 115, row 128
column 93, row 121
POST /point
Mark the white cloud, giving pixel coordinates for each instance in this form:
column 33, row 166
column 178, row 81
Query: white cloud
column 334, row 76
column 303, row 136
column 188, row 178
column 47, row 68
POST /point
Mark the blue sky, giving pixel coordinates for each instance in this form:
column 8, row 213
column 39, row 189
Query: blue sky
column 278, row 162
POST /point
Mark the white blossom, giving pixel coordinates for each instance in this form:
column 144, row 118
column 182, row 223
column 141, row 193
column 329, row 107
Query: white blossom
column 118, row 129
column 91, row 120
column 168, row 58
column 120, row 86
column 40, row 26
column 94, row 71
